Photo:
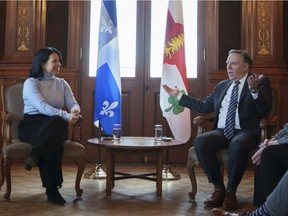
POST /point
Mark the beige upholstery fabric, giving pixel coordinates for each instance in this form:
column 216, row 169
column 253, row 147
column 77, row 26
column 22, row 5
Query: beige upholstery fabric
column 17, row 150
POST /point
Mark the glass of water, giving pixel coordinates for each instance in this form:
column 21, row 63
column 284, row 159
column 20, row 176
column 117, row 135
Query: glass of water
column 158, row 133
column 117, row 132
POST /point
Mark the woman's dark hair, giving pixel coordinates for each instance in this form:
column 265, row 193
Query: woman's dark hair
column 42, row 56
column 245, row 56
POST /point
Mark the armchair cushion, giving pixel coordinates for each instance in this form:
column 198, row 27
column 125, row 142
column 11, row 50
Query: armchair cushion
column 17, row 150
column 73, row 149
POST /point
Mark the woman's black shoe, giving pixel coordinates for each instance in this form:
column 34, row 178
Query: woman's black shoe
column 30, row 162
column 54, row 196
column 27, row 167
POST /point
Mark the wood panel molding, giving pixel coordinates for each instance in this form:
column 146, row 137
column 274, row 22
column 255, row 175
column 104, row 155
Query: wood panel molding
column 19, row 41
column 212, row 12
column 74, row 32
column 262, row 32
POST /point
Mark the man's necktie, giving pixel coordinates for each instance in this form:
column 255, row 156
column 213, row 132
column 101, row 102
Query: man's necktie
column 230, row 118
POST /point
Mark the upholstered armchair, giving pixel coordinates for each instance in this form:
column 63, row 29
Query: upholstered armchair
column 15, row 150
column 268, row 128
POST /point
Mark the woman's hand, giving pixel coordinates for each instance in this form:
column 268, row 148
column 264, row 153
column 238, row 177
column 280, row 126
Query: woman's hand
column 256, row 158
column 74, row 116
column 172, row 92
column 265, row 143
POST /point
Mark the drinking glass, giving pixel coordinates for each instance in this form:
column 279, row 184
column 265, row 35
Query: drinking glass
column 117, row 132
column 158, row 131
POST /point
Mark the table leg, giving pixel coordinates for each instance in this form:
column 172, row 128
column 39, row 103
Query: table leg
column 113, row 170
column 109, row 172
column 159, row 172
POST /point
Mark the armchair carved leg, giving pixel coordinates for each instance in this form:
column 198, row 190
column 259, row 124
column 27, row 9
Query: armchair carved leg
column 2, row 174
column 7, row 170
column 191, row 172
column 81, row 167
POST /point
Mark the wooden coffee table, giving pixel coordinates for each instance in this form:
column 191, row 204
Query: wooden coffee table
column 134, row 144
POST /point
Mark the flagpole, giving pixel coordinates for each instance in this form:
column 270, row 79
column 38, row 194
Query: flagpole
column 167, row 172
column 97, row 172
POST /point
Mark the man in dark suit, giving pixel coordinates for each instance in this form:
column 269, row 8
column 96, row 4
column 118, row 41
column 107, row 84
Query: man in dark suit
column 253, row 102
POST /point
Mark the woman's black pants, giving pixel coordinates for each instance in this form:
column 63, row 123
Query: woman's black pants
column 46, row 135
column 272, row 167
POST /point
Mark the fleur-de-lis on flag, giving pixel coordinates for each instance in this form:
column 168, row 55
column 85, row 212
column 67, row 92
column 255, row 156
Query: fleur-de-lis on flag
column 108, row 109
column 106, row 25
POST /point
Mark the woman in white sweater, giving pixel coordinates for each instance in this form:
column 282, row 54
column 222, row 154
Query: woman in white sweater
column 45, row 124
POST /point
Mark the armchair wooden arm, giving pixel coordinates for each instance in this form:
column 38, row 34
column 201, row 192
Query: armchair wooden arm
column 201, row 121
column 74, row 130
column 268, row 127
column 7, row 120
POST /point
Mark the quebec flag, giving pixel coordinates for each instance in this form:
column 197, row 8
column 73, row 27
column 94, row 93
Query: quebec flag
column 108, row 82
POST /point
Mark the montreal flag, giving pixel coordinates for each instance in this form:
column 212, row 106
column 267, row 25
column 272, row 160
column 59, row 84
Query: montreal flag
column 174, row 73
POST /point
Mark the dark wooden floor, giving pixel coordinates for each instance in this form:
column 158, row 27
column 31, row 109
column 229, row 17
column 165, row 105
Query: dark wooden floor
column 129, row 197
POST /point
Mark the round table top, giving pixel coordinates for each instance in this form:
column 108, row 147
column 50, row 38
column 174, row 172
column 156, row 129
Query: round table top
column 134, row 143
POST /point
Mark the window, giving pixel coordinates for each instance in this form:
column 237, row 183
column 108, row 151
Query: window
column 126, row 19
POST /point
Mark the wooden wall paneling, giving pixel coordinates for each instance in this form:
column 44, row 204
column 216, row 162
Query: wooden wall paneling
column 57, row 27
column 2, row 26
column 284, row 104
column 229, row 29
column 262, row 37
column 74, row 50
column 285, row 42
column 40, row 31
column 19, row 41
column 262, row 32
column 212, row 36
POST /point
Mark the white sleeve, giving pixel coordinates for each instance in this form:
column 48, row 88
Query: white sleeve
column 32, row 93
